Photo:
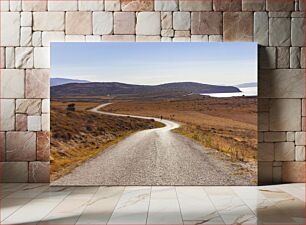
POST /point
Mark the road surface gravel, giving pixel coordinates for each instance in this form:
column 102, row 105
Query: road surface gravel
column 155, row 157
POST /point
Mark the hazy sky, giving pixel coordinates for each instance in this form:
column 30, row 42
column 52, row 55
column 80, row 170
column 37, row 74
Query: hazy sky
column 156, row 63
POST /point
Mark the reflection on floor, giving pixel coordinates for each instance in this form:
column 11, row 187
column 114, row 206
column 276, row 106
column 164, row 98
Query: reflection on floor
column 41, row 204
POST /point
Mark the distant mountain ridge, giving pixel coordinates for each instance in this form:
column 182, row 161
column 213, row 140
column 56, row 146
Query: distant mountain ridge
column 247, row 85
column 115, row 88
column 61, row 81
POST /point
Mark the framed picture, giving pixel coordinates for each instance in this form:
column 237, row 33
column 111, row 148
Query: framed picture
column 154, row 113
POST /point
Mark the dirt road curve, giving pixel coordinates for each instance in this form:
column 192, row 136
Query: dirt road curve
column 154, row 157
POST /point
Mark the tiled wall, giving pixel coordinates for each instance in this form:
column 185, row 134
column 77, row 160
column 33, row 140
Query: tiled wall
column 27, row 27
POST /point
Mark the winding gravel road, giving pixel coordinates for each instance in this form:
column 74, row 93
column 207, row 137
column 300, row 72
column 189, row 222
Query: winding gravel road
column 154, row 157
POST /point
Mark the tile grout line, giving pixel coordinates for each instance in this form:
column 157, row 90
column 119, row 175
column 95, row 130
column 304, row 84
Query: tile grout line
column 55, row 206
column 93, row 195
column 214, row 205
column 179, row 205
column 149, row 205
column 116, row 205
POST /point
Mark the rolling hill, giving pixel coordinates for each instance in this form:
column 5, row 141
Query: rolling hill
column 61, row 81
column 113, row 88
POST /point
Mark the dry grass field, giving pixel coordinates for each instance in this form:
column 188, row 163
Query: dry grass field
column 225, row 124
column 79, row 135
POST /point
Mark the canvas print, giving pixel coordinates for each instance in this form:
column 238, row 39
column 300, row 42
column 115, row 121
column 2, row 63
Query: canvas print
column 154, row 114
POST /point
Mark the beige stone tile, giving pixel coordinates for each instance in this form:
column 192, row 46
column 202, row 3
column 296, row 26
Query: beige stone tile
column 10, row 57
column 227, row 5
column 37, row 83
column 284, row 151
column 265, row 152
column 282, row 5
column 124, row 23
column 41, row 57
column 199, row 38
column 45, row 120
column 48, row 21
column 181, row 39
column 14, row 172
column 34, row 123
column 28, row 106
column 26, row 19
column 201, row 5
column 275, row 136
column 293, row 172
column 39, row 172
column 78, row 23
column 279, row 32
column 182, row 33
column 45, row 106
column 285, row 115
column 215, row 38
column 58, row 5
column 24, row 57
column 92, row 38
column 166, row 39
column 181, row 21
column 25, row 36
column 167, row 33
column 112, row 5
column 103, row 23
column 21, row 122
column 261, row 28
column 43, row 146
column 118, row 38
column 283, row 57
column 91, row 5
column 290, row 136
column 297, row 32
column 37, row 39
column 300, row 153
column 34, row 5
column 137, row 5
column 12, row 83
column 7, row 114
column 238, row 26
column 295, row 57
column 206, row 23
column 147, row 38
column 10, row 28
column 166, row 20
column 300, row 138
column 148, row 23
column 52, row 36
column 166, row 5
column 253, row 5
column 279, row 14
column 281, row 83
column 75, row 38
column 20, row 146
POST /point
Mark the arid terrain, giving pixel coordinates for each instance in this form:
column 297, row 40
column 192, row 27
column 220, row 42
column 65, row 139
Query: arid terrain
column 225, row 124
column 79, row 135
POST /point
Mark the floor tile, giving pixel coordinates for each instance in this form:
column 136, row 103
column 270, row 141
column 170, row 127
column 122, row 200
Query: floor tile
column 195, row 204
column 164, row 206
column 100, row 208
column 132, row 207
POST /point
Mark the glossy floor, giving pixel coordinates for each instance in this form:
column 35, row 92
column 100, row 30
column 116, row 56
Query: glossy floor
column 41, row 204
